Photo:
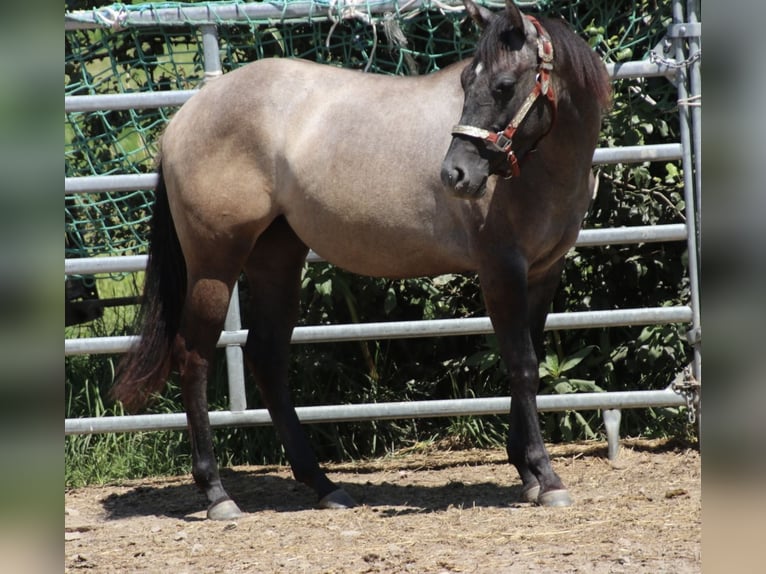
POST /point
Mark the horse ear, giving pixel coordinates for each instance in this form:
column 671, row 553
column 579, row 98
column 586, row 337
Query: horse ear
column 478, row 14
column 515, row 17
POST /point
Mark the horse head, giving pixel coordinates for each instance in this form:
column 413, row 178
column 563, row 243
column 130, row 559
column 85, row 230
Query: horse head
column 509, row 105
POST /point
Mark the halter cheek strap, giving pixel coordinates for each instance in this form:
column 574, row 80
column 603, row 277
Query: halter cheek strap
column 503, row 140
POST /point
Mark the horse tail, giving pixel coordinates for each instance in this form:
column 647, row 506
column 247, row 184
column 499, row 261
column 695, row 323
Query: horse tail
column 144, row 370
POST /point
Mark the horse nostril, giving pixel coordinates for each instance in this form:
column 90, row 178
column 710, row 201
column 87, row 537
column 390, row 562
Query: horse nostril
column 452, row 176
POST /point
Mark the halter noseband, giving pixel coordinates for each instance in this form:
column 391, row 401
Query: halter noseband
column 504, row 140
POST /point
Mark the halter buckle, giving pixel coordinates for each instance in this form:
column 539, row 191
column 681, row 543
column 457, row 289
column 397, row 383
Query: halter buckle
column 504, row 142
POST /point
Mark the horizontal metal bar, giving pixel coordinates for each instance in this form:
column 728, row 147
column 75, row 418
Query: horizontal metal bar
column 107, row 183
column 111, row 264
column 639, row 69
column 132, row 182
column 381, row 411
column 170, row 98
column 412, row 329
column 638, row 153
column 209, row 13
column 130, row 101
column 633, row 234
column 587, row 238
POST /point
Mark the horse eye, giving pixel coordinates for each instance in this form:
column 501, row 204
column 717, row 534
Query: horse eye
column 504, row 86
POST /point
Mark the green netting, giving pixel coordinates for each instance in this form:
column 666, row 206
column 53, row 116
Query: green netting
column 122, row 58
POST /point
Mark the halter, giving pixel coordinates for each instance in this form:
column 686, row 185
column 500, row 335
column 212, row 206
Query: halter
column 503, row 140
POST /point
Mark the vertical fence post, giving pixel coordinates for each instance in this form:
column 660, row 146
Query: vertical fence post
column 210, row 51
column 690, row 198
column 234, row 359
column 695, row 85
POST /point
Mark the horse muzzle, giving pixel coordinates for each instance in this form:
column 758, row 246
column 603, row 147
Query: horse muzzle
column 456, row 180
column 464, row 179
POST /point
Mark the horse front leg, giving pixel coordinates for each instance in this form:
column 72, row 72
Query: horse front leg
column 539, row 296
column 506, row 295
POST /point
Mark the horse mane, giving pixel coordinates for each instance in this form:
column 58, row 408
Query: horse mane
column 573, row 58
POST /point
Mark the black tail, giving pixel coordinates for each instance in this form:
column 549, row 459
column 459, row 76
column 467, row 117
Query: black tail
column 144, row 370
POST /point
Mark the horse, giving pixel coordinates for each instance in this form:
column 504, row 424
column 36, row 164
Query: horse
column 373, row 174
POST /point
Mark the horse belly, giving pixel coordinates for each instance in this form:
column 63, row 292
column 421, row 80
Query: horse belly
column 382, row 236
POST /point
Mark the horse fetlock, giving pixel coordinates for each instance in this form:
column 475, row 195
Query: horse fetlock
column 205, row 474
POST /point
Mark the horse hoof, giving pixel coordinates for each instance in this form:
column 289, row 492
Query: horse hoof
column 224, row 510
column 530, row 494
column 337, row 499
column 554, row 498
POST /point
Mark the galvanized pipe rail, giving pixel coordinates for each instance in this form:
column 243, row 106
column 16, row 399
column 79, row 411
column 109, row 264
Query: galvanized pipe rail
column 233, row 13
column 412, row 329
column 602, row 156
column 381, row 411
column 586, row 238
column 172, row 98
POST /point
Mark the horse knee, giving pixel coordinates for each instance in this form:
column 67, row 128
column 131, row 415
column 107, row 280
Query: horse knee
column 525, row 379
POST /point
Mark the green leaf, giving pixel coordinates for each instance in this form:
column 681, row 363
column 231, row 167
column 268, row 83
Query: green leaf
column 324, row 288
column 389, row 304
column 585, row 426
column 551, row 364
column 575, row 359
column 564, row 387
column 583, row 385
column 566, row 426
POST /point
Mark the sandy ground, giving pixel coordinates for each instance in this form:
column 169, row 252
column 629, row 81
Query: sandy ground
column 421, row 512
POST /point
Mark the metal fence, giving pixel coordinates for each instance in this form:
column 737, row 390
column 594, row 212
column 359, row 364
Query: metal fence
column 683, row 68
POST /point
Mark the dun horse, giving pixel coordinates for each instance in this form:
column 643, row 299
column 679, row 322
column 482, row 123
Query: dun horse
column 374, row 174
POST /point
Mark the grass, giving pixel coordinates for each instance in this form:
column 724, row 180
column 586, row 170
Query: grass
column 110, row 457
column 103, row 458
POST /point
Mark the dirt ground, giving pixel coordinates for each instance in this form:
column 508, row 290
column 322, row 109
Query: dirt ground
column 422, row 512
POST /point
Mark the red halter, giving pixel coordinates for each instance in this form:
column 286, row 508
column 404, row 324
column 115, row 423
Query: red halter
column 543, row 88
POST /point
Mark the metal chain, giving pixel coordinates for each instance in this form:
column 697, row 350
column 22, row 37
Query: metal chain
column 655, row 58
column 688, row 387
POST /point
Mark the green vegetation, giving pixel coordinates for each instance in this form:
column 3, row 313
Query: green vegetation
column 629, row 358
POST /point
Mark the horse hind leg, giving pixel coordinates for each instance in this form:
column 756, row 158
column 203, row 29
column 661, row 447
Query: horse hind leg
column 202, row 320
column 273, row 272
